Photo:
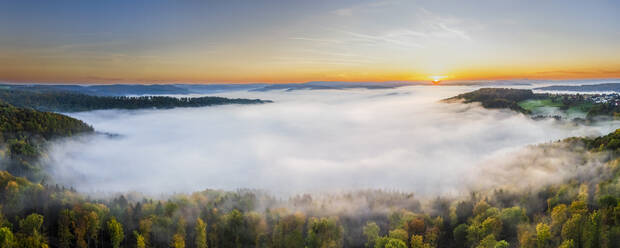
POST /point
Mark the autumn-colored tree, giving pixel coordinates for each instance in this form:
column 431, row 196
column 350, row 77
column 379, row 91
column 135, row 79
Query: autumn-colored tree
column 431, row 236
column 572, row 229
column 417, row 241
column 200, row 230
column 395, row 243
column 578, row 207
column 115, row 230
column 559, row 215
column 93, row 227
column 416, row 226
column 481, row 207
column 178, row 241
column 80, row 230
column 526, row 236
column 543, row 235
column 492, row 225
column 139, row 240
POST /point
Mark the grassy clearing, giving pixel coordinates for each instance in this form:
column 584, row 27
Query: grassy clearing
column 538, row 103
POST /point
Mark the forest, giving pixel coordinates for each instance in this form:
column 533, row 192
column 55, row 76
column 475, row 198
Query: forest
column 64, row 101
column 582, row 211
column 514, row 99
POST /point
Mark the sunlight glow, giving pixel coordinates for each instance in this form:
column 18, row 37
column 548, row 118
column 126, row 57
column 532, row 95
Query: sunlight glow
column 437, row 79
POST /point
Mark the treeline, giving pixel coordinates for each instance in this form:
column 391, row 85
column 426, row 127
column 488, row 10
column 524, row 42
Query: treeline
column 23, row 134
column 61, row 101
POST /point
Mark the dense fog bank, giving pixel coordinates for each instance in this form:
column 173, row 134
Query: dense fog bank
column 308, row 141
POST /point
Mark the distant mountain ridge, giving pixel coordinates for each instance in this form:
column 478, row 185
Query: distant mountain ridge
column 615, row 87
column 186, row 89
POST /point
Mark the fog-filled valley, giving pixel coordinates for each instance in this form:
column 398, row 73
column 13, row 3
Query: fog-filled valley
column 310, row 141
column 384, row 167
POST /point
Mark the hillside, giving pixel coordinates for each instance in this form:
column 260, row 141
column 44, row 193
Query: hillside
column 63, row 101
column 541, row 105
column 24, row 132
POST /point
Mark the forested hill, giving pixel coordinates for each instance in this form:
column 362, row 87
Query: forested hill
column 24, row 132
column 497, row 98
column 61, row 101
column 570, row 106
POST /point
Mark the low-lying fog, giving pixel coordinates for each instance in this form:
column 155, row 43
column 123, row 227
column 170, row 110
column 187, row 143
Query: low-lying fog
column 307, row 141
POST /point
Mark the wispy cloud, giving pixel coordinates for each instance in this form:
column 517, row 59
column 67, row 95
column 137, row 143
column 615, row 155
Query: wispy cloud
column 458, row 33
column 383, row 38
column 344, row 12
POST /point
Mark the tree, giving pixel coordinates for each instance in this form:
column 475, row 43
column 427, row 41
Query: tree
column 543, row 235
column 460, row 235
column 572, row 229
column 145, row 226
column 492, row 225
column 559, row 215
column 567, row 244
column 178, row 241
column 139, row 240
column 93, row 226
column 502, row 244
column 30, row 235
column 511, row 218
column 481, row 207
column 115, row 230
column 487, row 242
column 80, row 229
column 463, row 211
column 65, row 222
column 592, row 230
column 417, row 241
column 431, row 236
column 395, row 243
column 7, row 239
column 324, row 232
column 399, row 234
column 416, row 226
column 371, row 231
column 288, row 231
column 578, row 207
column 200, row 231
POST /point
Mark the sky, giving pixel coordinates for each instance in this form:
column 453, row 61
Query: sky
column 307, row 40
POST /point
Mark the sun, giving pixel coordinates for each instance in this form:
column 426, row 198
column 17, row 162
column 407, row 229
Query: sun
column 437, row 79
